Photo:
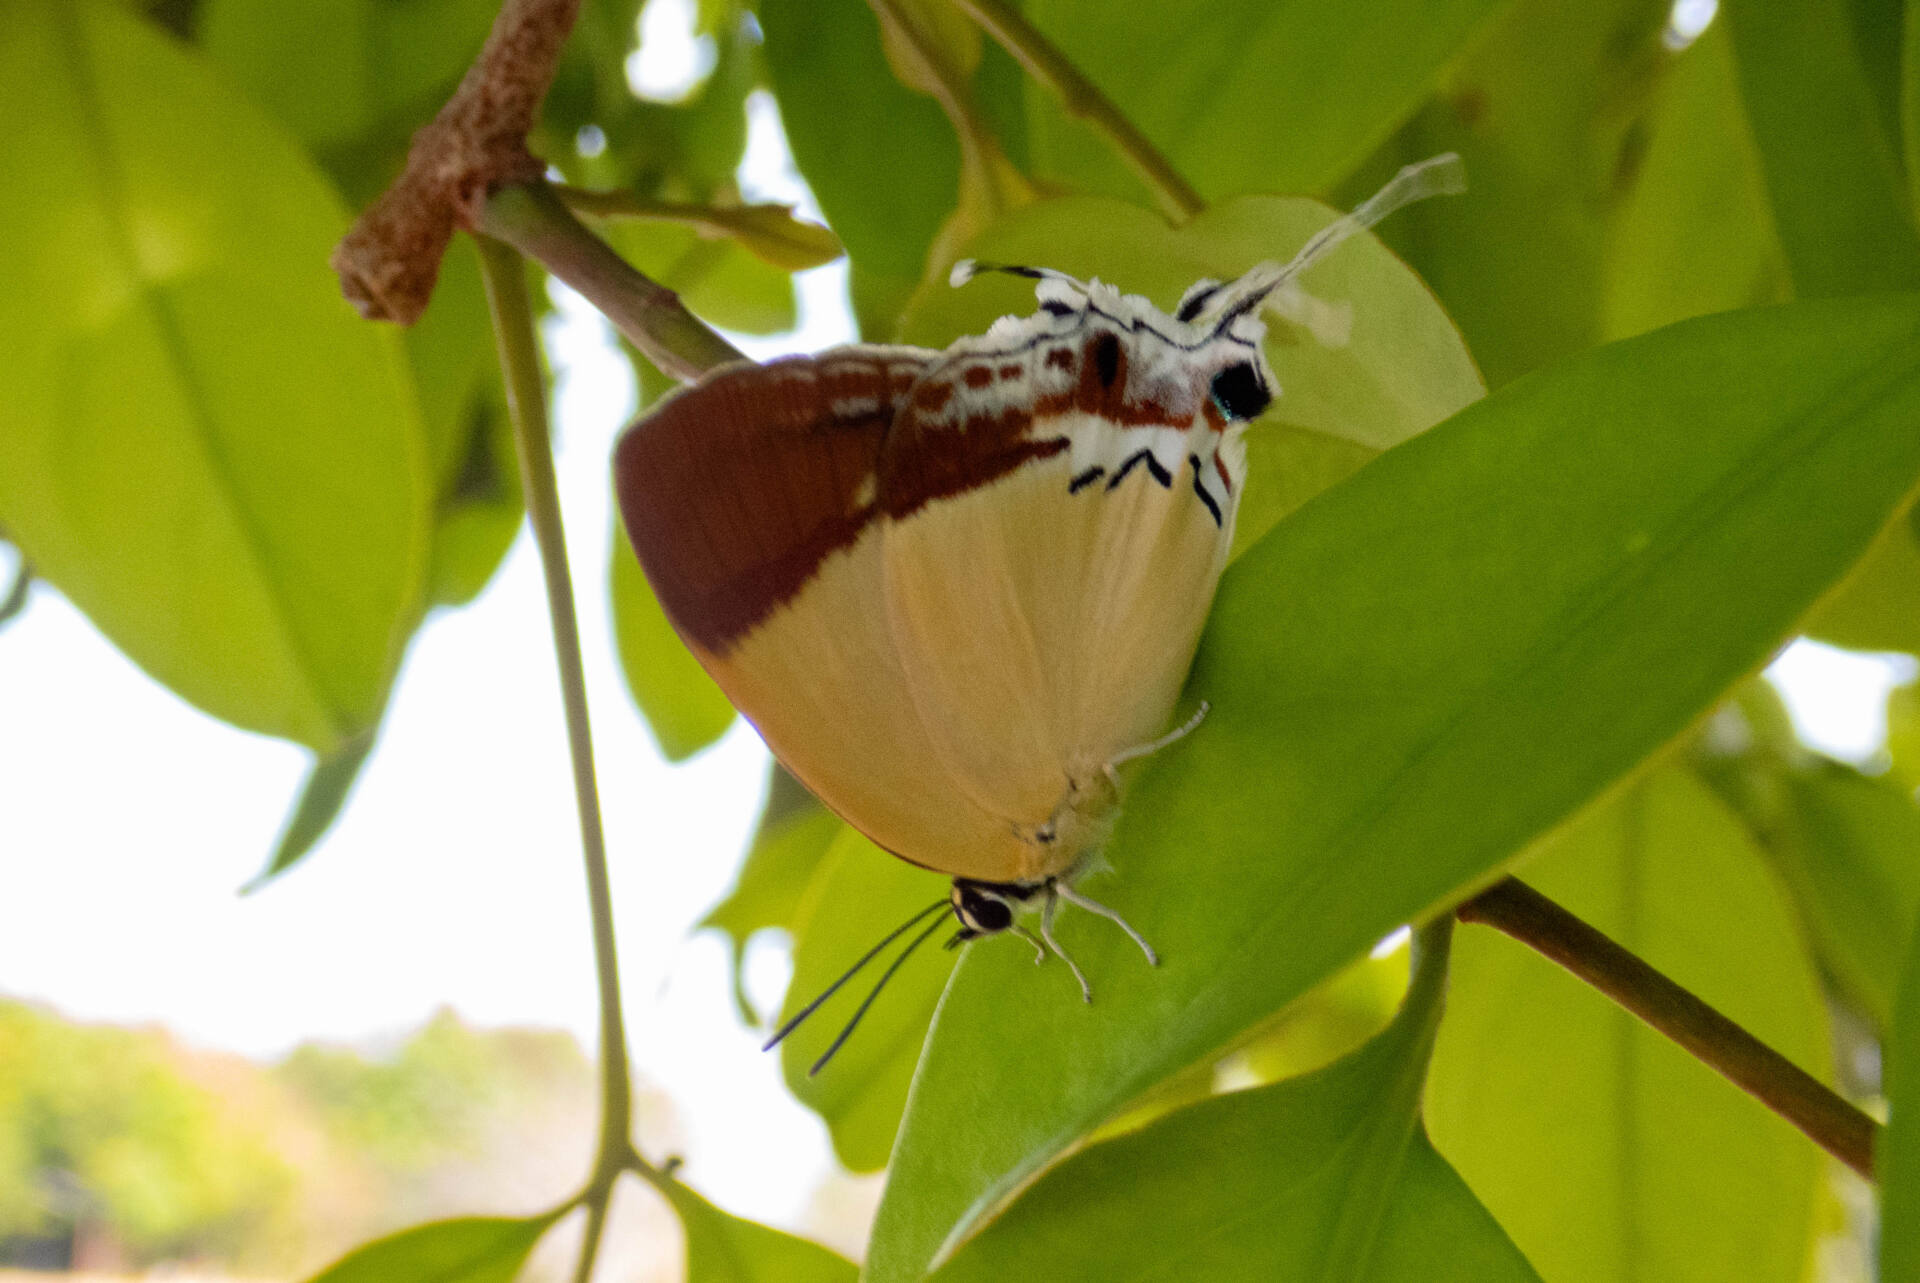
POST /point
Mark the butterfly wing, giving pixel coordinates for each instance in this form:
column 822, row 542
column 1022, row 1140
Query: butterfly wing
column 751, row 499
column 1051, row 545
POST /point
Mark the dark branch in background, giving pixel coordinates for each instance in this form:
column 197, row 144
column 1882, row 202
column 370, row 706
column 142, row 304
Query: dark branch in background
column 15, row 599
column 1749, row 1064
column 390, row 260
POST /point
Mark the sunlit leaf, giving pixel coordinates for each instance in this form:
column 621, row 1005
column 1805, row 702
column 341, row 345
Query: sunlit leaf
column 1545, row 110
column 200, row 444
column 1402, row 370
column 681, row 705
column 881, row 159
column 1878, row 607
column 1329, row 1176
column 1897, row 1156
column 1694, row 233
column 473, row 1249
column 1413, row 678
column 1846, row 845
column 770, row 232
column 1604, row 1149
column 718, row 280
column 789, row 842
column 1247, row 95
column 726, row 1249
column 1833, row 172
column 324, row 792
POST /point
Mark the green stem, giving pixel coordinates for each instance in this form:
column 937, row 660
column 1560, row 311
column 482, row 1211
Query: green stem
column 1082, row 98
column 506, row 283
column 1749, row 1064
column 535, row 221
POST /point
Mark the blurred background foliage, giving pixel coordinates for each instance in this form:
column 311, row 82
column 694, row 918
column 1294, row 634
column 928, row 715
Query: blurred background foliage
column 261, row 514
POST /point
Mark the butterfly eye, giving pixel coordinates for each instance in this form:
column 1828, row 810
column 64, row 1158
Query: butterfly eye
column 1239, row 392
column 984, row 913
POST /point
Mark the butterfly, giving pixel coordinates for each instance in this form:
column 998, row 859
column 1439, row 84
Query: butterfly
column 955, row 590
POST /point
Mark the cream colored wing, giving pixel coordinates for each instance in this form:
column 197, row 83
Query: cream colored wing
column 751, row 501
column 1046, row 615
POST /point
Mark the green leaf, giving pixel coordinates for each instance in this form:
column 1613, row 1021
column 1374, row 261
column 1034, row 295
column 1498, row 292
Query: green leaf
column 1604, row 1149
column 726, row 1249
column 880, row 158
column 328, row 783
column 1897, row 1154
column 858, row 895
column 1694, row 233
column 681, row 705
column 1328, row 1176
column 789, row 842
column 470, row 1249
column 1403, row 369
column 1412, row 679
column 1878, row 607
column 1833, row 173
column 200, row 444
column 1910, row 102
column 719, row 280
column 1246, row 95
column 1847, row 846
column 1546, row 112
column 769, row 232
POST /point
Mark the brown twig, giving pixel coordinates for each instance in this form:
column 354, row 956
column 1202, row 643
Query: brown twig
column 388, row 263
column 1749, row 1064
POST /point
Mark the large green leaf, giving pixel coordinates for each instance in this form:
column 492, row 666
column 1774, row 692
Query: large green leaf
column 1833, row 172
column 857, row 896
column 1897, row 1156
column 726, row 1249
column 1878, row 607
column 1608, row 1152
column 200, row 444
column 880, row 159
column 1246, row 95
column 472, row 1249
column 1413, row 678
column 1546, row 112
column 1402, row 370
column 1328, row 1176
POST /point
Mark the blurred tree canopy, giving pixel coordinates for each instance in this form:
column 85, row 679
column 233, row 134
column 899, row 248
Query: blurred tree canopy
column 1611, row 428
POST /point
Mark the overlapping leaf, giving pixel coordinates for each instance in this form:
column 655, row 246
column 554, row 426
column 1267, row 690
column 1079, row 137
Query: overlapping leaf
column 1605, row 1150
column 1414, row 678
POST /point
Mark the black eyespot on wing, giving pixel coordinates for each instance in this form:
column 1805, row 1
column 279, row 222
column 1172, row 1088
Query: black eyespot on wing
column 1239, row 392
column 1106, row 359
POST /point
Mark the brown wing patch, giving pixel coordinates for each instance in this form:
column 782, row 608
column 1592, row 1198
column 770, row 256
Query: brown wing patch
column 736, row 489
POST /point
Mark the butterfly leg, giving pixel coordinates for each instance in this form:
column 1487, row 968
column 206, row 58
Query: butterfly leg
column 1046, row 933
column 1071, row 896
column 1151, row 747
column 1039, row 950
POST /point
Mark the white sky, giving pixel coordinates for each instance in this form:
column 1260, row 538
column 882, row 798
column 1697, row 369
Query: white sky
column 128, row 821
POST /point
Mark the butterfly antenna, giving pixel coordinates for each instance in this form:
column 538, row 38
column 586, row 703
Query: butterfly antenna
column 849, row 974
column 847, row 1033
column 968, row 268
column 1442, row 175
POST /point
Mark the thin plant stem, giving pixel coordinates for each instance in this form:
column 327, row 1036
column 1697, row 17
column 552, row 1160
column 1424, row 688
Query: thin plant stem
column 506, row 284
column 15, row 599
column 598, row 1200
column 1080, row 97
column 1749, row 1064
column 535, row 221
